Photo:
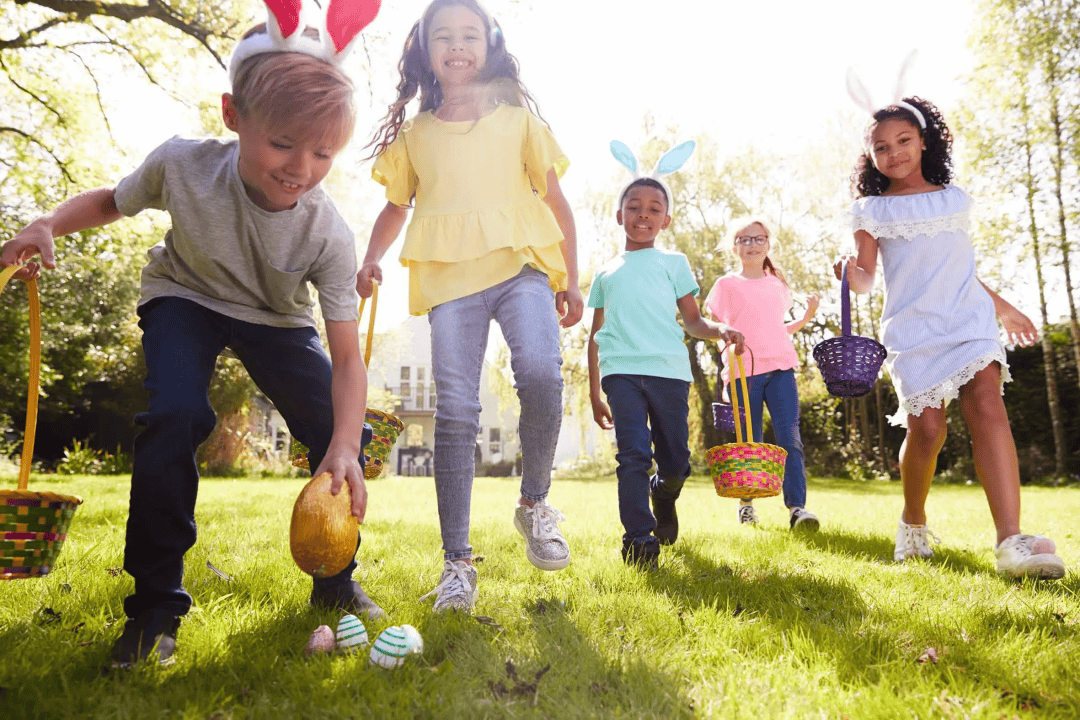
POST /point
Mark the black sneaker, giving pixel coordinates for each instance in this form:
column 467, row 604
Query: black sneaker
column 150, row 636
column 667, row 520
column 804, row 520
column 351, row 598
column 645, row 555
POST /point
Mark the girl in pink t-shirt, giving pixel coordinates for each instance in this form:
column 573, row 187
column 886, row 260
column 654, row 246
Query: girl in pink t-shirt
column 754, row 302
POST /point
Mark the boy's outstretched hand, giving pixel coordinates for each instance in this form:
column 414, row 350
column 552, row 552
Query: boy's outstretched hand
column 734, row 337
column 570, row 306
column 343, row 470
column 602, row 413
column 32, row 240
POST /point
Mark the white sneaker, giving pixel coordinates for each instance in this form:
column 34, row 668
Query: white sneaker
column 747, row 516
column 913, row 541
column 457, row 587
column 544, row 544
column 1017, row 556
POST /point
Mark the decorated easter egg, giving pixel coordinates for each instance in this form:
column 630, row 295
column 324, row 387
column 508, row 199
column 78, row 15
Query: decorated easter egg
column 321, row 641
column 322, row 535
column 413, row 642
column 351, row 633
column 393, row 644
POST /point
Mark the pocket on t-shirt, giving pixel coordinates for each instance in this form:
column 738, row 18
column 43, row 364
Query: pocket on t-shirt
column 285, row 291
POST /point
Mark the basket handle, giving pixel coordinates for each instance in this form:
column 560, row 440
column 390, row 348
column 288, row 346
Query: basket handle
column 35, row 373
column 845, row 301
column 720, row 369
column 371, row 322
column 739, row 430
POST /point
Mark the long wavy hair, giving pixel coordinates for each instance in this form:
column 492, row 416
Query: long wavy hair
column 499, row 74
column 739, row 224
column 936, row 159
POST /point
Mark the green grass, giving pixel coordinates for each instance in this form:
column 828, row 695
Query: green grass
column 739, row 622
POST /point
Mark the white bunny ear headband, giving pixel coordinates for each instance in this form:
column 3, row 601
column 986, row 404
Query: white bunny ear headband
column 669, row 162
column 861, row 96
column 286, row 21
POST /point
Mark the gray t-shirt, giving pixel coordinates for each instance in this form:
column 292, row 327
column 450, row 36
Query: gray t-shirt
column 231, row 256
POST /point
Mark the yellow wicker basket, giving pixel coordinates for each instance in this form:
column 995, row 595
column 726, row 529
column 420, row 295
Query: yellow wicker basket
column 745, row 469
column 33, row 525
column 385, row 428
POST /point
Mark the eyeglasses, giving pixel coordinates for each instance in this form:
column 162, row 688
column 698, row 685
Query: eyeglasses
column 752, row 239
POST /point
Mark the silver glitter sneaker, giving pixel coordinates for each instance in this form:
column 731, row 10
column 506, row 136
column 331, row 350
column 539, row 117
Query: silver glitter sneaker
column 544, row 544
column 457, row 587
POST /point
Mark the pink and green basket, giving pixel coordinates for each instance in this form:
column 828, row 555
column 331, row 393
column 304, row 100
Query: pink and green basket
column 745, row 469
column 33, row 525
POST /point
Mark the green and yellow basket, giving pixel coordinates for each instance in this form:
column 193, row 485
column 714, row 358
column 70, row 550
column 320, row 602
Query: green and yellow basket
column 745, row 469
column 385, row 428
column 33, row 525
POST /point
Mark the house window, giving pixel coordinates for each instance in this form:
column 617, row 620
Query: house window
column 419, row 397
column 431, row 401
column 404, row 372
column 406, row 391
column 419, row 373
column 493, row 434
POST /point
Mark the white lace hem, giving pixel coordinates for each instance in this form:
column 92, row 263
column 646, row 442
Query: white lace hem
column 910, row 229
column 949, row 389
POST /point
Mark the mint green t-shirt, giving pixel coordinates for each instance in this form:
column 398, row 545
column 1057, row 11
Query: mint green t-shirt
column 639, row 292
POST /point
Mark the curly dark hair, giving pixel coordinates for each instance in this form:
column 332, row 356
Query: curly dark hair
column 499, row 74
column 936, row 159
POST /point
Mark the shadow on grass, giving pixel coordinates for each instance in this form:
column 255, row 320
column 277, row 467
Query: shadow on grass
column 875, row 548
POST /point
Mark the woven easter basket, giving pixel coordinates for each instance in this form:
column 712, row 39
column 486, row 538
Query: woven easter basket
column 723, row 413
column 385, row 428
column 33, row 525
column 849, row 364
column 745, row 469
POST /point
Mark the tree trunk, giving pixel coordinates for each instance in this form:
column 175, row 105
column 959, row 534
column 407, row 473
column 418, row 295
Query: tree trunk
column 710, row 436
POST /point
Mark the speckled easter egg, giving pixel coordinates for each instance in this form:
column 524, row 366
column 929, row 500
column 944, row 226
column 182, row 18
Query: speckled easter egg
column 390, row 648
column 321, row 641
column 351, row 633
column 322, row 535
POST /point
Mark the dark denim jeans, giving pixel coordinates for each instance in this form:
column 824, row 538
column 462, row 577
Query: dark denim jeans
column 778, row 391
column 182, row 341
column 650, row 416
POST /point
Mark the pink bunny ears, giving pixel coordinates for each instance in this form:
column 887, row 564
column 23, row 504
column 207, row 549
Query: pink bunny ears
column 338, row 28
column 861, row 96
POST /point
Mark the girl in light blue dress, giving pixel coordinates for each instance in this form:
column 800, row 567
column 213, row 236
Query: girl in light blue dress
column 939, row 326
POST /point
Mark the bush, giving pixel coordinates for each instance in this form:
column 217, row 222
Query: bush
column 80, row 459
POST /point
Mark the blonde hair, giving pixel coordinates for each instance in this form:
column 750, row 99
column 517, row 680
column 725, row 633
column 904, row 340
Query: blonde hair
column 741, row 223
column 296, row 92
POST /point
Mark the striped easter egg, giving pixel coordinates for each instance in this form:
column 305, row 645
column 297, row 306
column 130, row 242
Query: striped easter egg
column 413, row 642
column 351, row 633
column 389, row 648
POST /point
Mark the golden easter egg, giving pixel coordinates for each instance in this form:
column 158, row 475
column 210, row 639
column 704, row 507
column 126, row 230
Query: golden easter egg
column 322, row 535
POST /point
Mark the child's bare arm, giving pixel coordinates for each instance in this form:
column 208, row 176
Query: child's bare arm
column 861, row 266
column 387, row 227
column 601, row 411
column 569, row 303
column 699, row 327
column 92, row 208
column 342, row 457
column 1018, row 327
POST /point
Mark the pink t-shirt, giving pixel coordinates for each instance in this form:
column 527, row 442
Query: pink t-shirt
column 756, row 308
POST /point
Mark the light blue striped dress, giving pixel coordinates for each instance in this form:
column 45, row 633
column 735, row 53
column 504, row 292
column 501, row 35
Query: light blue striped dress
column 938, row 323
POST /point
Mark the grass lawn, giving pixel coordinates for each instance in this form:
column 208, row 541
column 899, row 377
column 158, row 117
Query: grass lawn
column 739, row 622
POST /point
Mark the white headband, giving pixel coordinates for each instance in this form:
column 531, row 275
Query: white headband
column 861, row 96
column 493, row 30
column 669, row 162
column 286, row 20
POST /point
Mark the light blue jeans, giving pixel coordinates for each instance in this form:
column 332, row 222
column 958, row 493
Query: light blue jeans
column 779, row 391
column 524, row 307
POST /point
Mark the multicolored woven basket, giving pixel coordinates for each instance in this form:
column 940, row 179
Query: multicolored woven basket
column 385, row 428
column 33, row 525
column 745, row 469
column 849, row 364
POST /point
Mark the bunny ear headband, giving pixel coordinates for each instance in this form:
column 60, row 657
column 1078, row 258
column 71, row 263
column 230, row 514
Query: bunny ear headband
column 669, row 162
column 493, row 28
column 861, row 96
column 286, row 20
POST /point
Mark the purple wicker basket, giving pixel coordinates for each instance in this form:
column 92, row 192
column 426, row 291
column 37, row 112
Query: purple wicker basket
column 849, row 364
column 723, row 413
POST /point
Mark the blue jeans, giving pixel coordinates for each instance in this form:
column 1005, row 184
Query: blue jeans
column 182, row 341
column 777, row 390
column 524, row 307
column 649, row 414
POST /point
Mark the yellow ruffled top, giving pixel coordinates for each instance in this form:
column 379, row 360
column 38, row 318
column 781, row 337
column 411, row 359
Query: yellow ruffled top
column 479, row 215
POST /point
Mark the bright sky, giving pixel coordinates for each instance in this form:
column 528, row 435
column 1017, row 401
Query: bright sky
column 769, row 73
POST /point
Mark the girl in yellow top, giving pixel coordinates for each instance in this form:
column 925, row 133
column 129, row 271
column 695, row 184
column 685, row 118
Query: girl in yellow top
column 492, row 237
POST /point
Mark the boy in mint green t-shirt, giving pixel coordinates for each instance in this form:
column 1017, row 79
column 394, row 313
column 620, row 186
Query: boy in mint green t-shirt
column 637, row 357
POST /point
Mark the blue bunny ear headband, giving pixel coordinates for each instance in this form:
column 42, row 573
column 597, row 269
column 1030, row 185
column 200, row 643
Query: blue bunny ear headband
column 861, row 96
column 669, row 162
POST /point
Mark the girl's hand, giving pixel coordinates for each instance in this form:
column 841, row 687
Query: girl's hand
column 812, row 302
column 570, row 306
column 601, row 413
column 851, row 259
column 370, row 271
column 1019, row 330
column 734, row 337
